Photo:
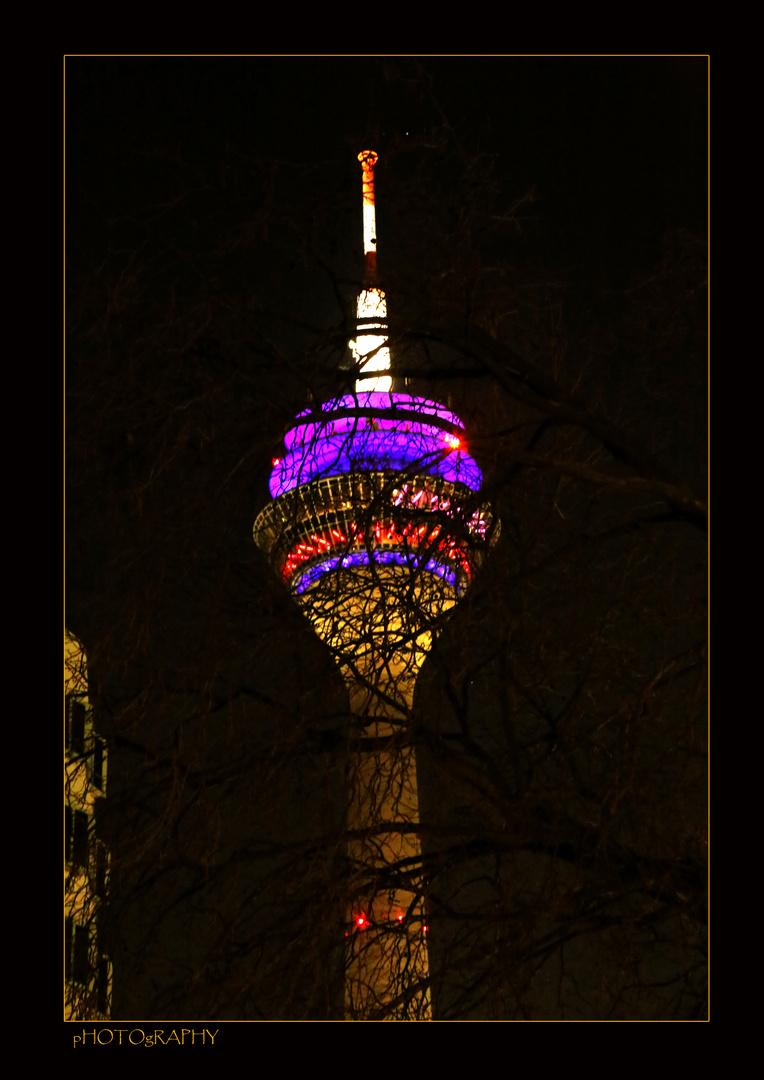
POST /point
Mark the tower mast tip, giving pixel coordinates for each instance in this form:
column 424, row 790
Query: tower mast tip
column 368, row 159
column 371, row 348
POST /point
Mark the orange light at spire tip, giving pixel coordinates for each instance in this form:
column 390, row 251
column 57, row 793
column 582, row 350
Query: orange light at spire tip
column 368, row 159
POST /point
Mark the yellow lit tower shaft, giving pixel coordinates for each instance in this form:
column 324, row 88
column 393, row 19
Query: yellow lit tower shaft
column 376, row 526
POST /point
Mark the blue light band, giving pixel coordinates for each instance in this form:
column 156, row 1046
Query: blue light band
column 362, row 558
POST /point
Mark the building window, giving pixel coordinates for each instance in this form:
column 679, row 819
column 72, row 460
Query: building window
column 101, row 869
column 76, row 712
column 77, row 831
column 104, row 986
column 97, row 765
column 81, row 742
column 77, row 960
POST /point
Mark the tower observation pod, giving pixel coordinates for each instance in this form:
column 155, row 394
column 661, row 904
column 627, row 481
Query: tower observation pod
column 377, row 527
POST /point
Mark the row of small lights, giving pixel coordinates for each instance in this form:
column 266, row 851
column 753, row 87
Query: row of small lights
column 409, row 537
column 362, row 923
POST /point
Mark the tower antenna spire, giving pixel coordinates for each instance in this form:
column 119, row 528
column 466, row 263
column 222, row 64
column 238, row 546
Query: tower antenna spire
column 370, row 349
column 368, row 159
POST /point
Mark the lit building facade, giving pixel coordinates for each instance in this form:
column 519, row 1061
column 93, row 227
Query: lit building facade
column 88, row 974
column 376, row 526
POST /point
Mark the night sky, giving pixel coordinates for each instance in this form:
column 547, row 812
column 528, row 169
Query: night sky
column 613, row 147
column 213, row 242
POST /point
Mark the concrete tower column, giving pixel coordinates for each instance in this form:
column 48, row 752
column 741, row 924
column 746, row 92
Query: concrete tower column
column 372, row 619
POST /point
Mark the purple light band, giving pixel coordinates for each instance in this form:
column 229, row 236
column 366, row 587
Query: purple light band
column 375, row 442
column 361, row 558
column 374, row 451
column 360, row 425
column 378, row 400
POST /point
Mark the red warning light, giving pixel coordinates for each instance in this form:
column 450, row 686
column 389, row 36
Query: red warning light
column 361, row 921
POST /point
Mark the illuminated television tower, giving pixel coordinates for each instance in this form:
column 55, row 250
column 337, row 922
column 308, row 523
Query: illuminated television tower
column 376, row 527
